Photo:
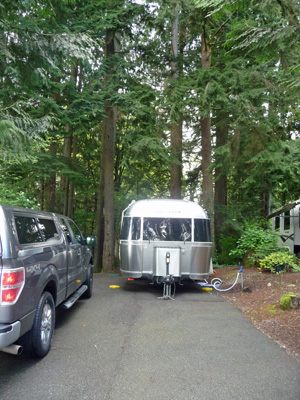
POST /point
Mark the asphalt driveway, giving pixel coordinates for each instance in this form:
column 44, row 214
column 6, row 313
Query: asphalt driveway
column 127, row 344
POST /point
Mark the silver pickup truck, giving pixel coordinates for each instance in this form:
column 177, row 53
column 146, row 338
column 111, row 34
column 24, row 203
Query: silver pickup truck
column 44, row 262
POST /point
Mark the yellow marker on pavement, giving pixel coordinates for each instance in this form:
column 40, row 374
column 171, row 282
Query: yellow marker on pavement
column 114, row 287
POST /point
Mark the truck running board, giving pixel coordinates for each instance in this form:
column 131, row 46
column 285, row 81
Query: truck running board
column 75, row 296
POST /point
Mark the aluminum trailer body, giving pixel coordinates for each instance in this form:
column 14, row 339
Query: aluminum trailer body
column 153, row 229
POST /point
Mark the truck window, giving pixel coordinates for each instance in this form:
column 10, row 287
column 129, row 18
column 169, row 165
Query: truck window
column 48, row 229
column 27, row 230
column 202, row 230
column 76, row 232
column 167, row 229
column 65, row 230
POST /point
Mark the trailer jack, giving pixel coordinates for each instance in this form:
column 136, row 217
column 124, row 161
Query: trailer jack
column 168, row 282
column 167, row 291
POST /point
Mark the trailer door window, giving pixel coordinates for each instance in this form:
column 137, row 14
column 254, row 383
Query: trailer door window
column 287, row 221
column 167, row 229
column 202, row 230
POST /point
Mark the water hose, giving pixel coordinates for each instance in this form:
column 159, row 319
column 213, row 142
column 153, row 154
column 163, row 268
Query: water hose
column 217, row 282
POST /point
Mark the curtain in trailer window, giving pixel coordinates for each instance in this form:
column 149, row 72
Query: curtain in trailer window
column 167, row 229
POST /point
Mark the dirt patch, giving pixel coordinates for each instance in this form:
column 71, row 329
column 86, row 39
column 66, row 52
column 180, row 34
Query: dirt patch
column 261, row 304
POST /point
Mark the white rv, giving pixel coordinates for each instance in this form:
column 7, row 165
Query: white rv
column 161, row 237
column 286, row 222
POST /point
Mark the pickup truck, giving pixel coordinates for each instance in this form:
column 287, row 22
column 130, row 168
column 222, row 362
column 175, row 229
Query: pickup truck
column 44, row 263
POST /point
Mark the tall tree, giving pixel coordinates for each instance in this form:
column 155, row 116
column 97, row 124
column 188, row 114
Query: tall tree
column 176, row 114
column 108, row 152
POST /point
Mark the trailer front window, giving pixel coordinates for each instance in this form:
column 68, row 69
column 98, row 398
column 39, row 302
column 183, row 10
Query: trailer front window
column 136, row 228
column 125, row 228
column 167, row 229
column 202, row 230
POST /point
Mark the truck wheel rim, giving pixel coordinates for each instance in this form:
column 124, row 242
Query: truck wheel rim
column 46, row 324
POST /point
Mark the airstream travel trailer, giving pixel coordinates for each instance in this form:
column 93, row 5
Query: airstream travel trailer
column 286, row 221
column 163, row 237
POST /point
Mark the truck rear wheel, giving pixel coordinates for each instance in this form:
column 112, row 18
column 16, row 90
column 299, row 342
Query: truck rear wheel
column 37, row 342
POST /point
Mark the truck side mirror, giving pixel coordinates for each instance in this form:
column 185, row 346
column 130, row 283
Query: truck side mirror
column 91, row 240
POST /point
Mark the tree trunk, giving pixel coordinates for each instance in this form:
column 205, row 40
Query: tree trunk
column 108, row 156
column 99, row 223
column 67, row 154
column 72, row 183
column 176, row 125
column 207, row 182
column 76, row 73
column 220, row 181
column 50, row 183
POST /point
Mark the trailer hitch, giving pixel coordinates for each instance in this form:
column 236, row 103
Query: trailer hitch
column 168, row 282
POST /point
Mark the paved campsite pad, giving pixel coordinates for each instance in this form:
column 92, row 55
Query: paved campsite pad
column 126, row 344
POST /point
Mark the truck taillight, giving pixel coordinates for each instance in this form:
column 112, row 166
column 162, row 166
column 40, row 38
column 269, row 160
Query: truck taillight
column 12, row 283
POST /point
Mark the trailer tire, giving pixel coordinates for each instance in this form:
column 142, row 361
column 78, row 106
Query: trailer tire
column 37, row 342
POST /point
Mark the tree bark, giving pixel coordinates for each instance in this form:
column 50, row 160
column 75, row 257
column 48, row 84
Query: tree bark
column 76, row 73
column 50, row 184
column 176, row 125
column 207, row 182
column 67, row 154
column 72, row 183
column 108, row 156
column 99, row 223
column 220, row 181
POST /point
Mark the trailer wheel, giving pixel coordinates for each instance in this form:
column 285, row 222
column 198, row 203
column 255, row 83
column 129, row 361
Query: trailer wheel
column 89, row 282
column 37, row 342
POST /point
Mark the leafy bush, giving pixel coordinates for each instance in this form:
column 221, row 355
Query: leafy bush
column 279, row 262
column 225, row 245
column 15, row 198
column 254, row 244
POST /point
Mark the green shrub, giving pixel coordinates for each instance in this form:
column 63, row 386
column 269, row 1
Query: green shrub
column 279, row 262
column 226, row 244
column 254, row 244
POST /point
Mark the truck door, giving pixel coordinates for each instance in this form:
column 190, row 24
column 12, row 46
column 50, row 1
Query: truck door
column 75, row 255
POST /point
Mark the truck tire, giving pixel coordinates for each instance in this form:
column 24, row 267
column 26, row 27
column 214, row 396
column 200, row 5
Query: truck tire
column 37, row 342
column 89, row 282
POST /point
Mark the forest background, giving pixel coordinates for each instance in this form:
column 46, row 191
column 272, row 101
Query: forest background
column 106, row 101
